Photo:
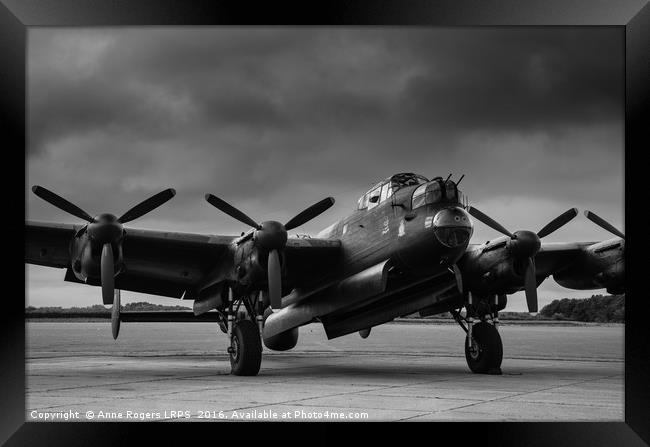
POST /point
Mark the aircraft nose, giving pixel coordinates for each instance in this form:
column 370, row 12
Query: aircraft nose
column 452, row 217
column 452, row 227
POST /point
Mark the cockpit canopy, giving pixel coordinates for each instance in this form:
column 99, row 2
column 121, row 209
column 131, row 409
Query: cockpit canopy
column 429, row 191
column 384, row 189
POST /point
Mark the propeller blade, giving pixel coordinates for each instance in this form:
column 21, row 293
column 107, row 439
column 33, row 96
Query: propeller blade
column 61, row 203
column 147, row 206
column 530, row 285
column 230, row 210
column 488, row 221
column 459, row 278
column 107, row 274
column 603, row 224
column 309, row 213
column 558, row 222
column 275, row 284
column 115, row 315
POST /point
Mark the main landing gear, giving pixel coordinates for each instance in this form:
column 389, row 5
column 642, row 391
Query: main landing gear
column 244, row 328
column 483, row 346
column 245, row 349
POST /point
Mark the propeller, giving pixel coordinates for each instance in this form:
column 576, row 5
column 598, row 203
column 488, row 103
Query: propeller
column 230, row 210
column 271, row 236
column 146, row 206
column 310, row 213
column 487, row 220
column 530, row 286
column 61, row 203
column 107, row 269
column 459, row 278
column 603, row 224
column 558, row 222
column 106, row 230
column 526, row 244
column 275, row 280
column 115, row 315
column 139, row 210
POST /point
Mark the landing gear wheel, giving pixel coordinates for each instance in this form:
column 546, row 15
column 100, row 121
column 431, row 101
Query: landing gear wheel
column 245, row 349
column 485, row 353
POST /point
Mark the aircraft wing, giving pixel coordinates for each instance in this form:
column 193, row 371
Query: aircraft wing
column 556, row 256
column 48, row 244
column 157, row 262
column 488, row 268
column 551, row 257
column 171, row 264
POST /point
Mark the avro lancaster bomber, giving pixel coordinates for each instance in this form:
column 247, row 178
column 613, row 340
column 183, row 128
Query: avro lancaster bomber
column 404, row 249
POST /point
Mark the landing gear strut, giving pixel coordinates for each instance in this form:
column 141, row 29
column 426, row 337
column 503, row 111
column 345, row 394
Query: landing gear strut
column 483, row 345
column 244, row 329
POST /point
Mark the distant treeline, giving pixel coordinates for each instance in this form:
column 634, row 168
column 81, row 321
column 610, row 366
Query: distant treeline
column 502, row 316
column 98, row 309
column 598, row 308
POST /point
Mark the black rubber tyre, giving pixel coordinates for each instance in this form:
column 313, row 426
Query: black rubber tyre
column 487, row 358
column 246, row 352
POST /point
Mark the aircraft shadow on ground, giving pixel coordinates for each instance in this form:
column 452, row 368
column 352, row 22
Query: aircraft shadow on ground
column 302, row 367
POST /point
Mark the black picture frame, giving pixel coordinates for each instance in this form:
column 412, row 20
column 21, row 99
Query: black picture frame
column 633, row 16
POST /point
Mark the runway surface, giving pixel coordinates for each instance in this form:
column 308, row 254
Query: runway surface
column 403, row 371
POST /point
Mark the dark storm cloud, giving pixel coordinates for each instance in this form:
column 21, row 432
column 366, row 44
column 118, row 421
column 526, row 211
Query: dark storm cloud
column 448, row 80
column 519, row 79
column 273, row 109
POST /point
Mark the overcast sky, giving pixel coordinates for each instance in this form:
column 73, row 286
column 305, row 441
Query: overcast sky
column 275, row 119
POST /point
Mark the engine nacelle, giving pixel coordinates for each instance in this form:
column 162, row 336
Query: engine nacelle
column 600, row 266
column 86, row 257
column 280, row 342
column 492, row 270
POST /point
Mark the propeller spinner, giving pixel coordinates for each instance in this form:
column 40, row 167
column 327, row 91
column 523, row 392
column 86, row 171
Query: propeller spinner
column 106, row 230
column 526, row 244
column 272, row 237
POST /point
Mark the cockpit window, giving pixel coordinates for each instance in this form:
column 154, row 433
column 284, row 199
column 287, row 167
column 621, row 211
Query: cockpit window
column 363, row 202
column 373, row 197
column 384, row 190
column 426, row 194
column 418, row 197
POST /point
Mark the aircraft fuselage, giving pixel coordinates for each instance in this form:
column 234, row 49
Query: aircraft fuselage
column 392, row 230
